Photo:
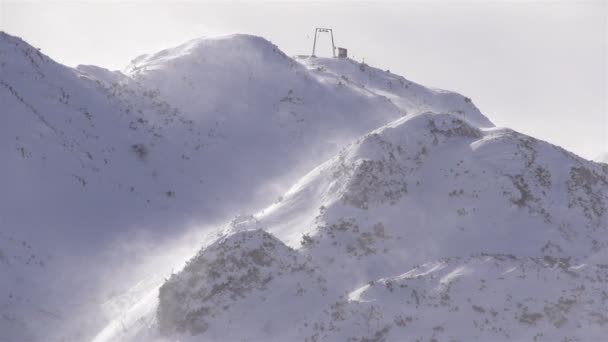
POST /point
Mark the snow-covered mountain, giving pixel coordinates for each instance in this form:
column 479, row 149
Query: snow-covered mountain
column 427, row 228
column 419, row 219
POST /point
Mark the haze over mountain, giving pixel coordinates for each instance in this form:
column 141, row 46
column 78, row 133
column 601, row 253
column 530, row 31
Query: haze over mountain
column 327, row 200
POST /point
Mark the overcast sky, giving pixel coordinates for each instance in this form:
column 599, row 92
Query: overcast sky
column 537, row 67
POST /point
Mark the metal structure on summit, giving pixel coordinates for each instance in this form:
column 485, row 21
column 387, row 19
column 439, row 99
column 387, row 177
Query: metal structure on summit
column 342, row 52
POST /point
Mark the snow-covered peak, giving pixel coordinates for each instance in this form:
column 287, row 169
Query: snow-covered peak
column 199, row 50
column 493, row 185
column 208, row 67
column 213, row 67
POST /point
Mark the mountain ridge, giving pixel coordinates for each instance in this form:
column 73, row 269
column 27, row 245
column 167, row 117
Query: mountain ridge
column 149, row 162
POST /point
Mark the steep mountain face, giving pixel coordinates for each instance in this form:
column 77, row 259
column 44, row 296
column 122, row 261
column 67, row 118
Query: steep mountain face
column 430, row 227
column 102, row 168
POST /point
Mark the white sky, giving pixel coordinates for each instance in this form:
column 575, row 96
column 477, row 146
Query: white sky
column 538, row 67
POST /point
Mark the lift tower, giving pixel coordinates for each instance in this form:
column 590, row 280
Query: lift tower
column 314, row 44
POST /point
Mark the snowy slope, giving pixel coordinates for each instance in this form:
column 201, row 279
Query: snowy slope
column 73, row 176
column 475, row 299
column 103, row 170
column 431, row 227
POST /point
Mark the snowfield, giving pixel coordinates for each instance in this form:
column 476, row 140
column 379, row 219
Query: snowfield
column 223, row 191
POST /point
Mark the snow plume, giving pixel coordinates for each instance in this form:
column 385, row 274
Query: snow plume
column 139, row 266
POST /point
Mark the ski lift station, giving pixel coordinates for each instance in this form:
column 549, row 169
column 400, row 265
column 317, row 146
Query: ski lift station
column 342, row 52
